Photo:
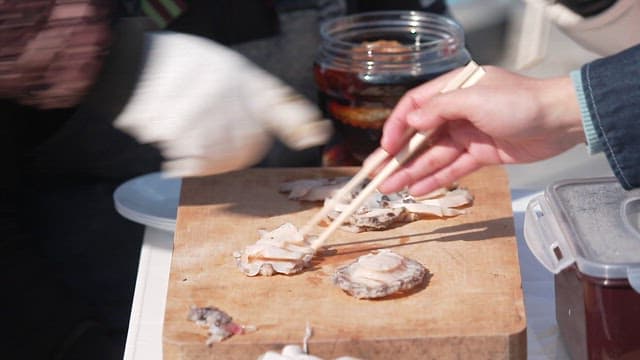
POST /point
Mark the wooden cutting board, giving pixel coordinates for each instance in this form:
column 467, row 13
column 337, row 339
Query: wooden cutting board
column 470, row 307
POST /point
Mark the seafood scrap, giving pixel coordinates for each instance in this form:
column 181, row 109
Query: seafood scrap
column 284, row 250
column 379, row 274
column 380, row 211
column 219, row 323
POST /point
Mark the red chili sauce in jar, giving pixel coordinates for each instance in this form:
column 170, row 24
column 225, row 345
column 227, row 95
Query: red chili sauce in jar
column 598, row 318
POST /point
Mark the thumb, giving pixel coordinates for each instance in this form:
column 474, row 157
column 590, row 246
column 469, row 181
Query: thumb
column 292, row 118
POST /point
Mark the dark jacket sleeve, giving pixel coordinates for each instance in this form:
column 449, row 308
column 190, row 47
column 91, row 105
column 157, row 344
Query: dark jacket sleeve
column 612, row 91
column 51, row 51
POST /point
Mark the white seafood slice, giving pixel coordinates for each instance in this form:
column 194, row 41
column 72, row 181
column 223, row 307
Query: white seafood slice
column 379, row 274
column 429, row 209
column 289, row 352
column 284, row 250
column 295, row 352
column 439, row 192
column 454, row 198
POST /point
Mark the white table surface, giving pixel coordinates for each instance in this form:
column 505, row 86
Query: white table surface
column 144, row 340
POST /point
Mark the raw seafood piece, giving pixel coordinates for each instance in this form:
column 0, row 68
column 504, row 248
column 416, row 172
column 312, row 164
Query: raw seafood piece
column 289, row 352
column 368, row 219
column 380, row 211
column 284, row 250
column 379, row 274
column 219, row 323
column 295, row 352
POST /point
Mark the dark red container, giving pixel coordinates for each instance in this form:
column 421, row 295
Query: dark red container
column 587, row 232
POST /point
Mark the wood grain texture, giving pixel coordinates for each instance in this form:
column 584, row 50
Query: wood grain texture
column 470, row 306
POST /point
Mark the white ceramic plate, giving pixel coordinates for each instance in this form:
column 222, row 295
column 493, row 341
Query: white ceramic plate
column 151, row 200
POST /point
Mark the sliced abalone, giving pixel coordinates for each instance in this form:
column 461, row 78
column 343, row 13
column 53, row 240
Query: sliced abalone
column 379, row 274
column 380, row 211
column 284, row 250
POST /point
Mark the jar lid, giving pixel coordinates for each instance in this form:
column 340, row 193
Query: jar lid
column 593, row 223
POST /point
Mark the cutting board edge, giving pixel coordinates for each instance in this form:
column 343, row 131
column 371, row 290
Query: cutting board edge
column 499, row 346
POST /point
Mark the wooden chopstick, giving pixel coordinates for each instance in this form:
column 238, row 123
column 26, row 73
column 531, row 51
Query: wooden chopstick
column 376, row 158
column 467, row 77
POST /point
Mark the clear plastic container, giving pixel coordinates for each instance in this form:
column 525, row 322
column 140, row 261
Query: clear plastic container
column 587, row 232
column 366, row 62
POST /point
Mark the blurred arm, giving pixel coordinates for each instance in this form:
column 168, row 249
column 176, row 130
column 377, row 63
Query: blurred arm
column 51, row 52
column 210, row 110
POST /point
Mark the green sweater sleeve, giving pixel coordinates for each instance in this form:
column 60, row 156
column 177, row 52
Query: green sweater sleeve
column 594, row 145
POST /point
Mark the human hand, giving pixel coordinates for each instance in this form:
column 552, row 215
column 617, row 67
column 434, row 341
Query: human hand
column 504, row 118
column 209, row 110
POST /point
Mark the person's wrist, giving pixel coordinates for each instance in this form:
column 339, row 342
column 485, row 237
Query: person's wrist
column 560, row 108
column 594, row 145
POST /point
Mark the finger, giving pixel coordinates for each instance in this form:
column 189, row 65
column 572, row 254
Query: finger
column 396, row 126
column 439, row 155
column 462, row 104
column 463, row 165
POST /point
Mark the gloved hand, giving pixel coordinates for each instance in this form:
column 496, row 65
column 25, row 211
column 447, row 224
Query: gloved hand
column 210, row 110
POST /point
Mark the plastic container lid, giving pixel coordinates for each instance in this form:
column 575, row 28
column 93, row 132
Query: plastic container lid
column 593, row 223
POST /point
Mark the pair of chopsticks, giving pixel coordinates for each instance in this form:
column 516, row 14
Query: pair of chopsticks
column 467, row 77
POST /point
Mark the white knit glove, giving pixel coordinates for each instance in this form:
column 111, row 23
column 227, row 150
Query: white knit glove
column 210, row 110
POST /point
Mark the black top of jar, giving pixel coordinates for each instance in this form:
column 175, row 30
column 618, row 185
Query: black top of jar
column 430, row 43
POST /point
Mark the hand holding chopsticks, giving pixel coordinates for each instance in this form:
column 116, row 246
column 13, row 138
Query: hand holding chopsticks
column 467, row 77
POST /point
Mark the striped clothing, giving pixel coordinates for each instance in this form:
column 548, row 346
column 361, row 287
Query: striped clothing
column 162, row 12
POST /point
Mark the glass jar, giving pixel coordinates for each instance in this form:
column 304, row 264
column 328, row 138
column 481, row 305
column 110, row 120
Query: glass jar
column 367, row 61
